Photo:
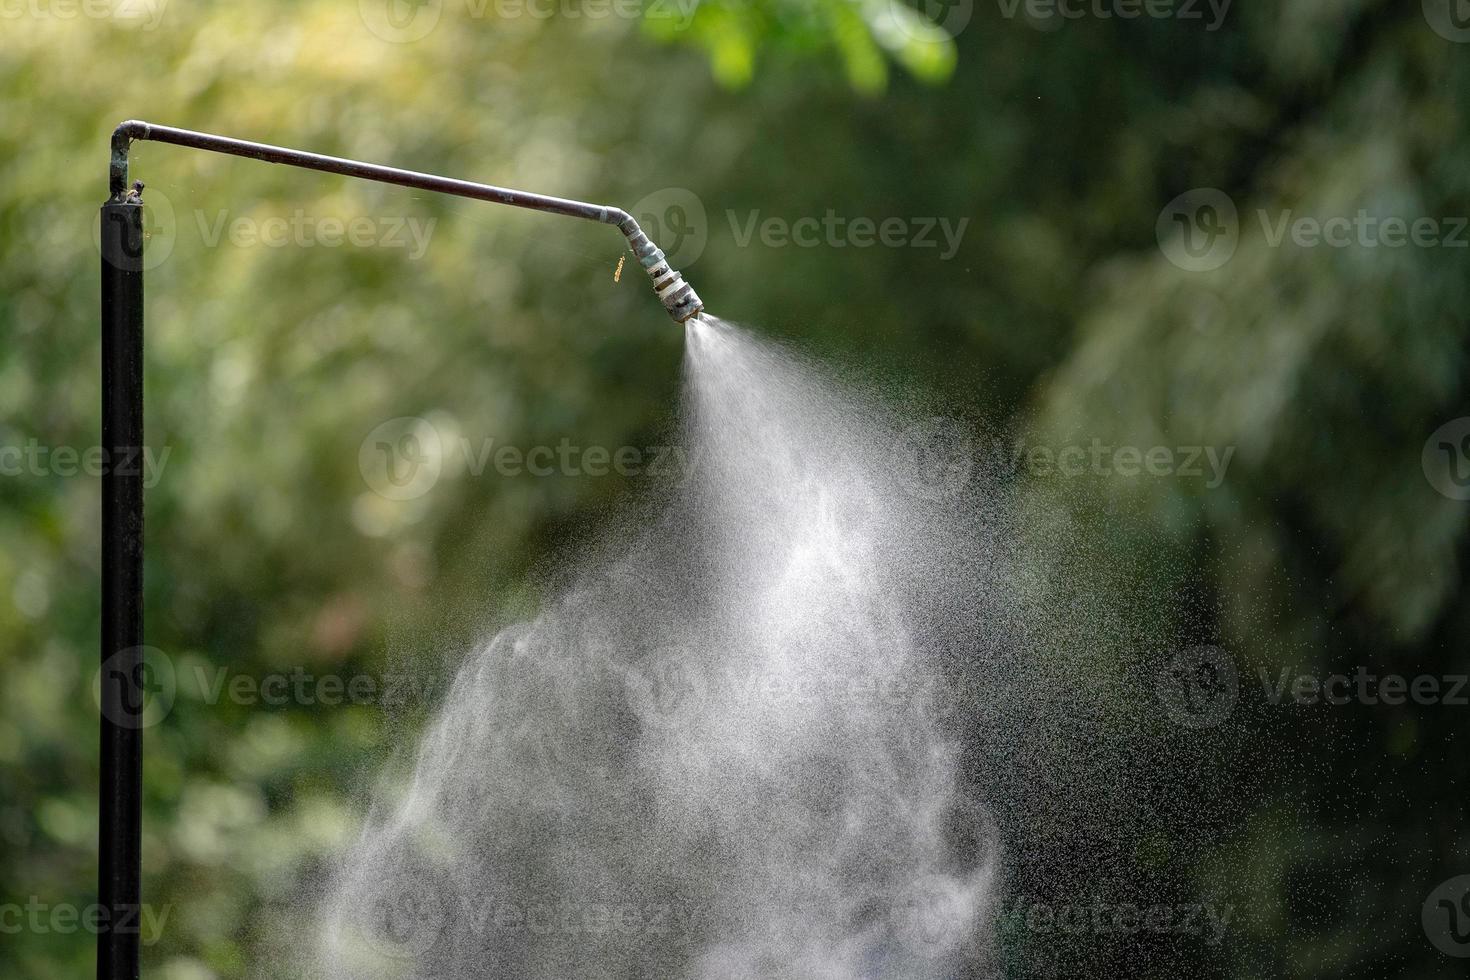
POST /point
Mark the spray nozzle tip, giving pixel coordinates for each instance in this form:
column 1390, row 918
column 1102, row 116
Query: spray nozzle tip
column 678, row 297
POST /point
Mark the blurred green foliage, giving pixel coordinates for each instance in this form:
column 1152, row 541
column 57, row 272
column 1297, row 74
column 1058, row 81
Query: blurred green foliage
column 861, row 34
column 1058, row 320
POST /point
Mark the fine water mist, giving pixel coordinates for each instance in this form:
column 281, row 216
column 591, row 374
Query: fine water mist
column 721, row 752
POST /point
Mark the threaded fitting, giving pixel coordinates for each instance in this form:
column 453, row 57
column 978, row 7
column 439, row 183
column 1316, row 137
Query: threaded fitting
column 678, row 297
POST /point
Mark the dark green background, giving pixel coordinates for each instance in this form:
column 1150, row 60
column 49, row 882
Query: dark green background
column 1059, row 320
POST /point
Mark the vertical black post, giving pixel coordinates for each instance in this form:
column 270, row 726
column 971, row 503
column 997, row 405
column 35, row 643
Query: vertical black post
column 121, row 788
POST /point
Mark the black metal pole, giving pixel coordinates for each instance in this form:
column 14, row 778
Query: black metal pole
column 120, row 833
column 123, row 684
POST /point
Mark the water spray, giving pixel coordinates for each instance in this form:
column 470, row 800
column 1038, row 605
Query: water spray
column 124, row 681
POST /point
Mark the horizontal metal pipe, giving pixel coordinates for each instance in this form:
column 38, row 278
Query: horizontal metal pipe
column 677, row 296
column 134, row 129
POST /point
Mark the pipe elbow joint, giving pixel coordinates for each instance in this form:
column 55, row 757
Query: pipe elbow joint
column 122, row 141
